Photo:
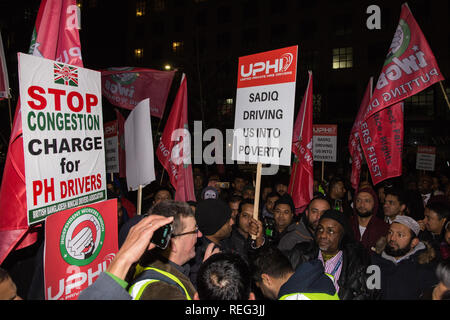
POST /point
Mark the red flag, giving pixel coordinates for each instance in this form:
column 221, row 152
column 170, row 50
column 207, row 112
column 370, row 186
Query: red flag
column 122, row 156
column 381, row 138
column 55, row 37
column 409, row 68
column 174, row 149
column 354, row 146
column 126, row 87
column 302, row 178
column 4, row 82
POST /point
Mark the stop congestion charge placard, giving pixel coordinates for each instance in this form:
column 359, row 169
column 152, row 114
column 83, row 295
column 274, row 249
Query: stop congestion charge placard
column 265, row 107
column 62, row 136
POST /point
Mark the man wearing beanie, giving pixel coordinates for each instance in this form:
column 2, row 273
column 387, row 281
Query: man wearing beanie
column 342, row 257
column 406, row 269
column 214, row 221
column 367, row 227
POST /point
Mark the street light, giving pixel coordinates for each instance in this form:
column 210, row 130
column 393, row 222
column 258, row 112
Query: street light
column 167, row 67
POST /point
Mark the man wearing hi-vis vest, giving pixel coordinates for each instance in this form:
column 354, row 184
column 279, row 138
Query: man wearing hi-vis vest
column 276, row 278
column 160, row 274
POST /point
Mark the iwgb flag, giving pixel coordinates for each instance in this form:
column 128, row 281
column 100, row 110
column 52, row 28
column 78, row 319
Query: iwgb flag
column 354, row 146
column 409, row 68
column 126, row 87
column 55, row 37
column 302, row 178
column 174, row 149
column 381, row 138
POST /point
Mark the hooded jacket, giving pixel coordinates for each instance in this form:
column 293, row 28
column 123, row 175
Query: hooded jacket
column 376, row 228
column 309, row 282
column 408, row 277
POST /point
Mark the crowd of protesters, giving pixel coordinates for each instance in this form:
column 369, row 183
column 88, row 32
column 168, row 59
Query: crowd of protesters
column 385, row 242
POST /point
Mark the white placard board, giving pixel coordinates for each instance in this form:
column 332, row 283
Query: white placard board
column 265, row 100
column 61, row 109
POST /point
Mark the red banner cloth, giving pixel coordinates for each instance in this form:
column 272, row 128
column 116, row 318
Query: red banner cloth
column 381, row 138
column 302, row 177
column 409, row 68
column 354, row 146
column 126, row 87
column 55, row 37
column 174, row 148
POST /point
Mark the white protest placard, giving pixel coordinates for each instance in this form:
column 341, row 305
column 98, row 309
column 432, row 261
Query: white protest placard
column 111, row 146
column 426, row 158
column 62, row 136
column 325, row 142
column 265, row 107
column 139, row 147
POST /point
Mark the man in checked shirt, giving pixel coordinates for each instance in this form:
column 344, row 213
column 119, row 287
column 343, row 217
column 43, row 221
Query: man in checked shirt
column 342, row 257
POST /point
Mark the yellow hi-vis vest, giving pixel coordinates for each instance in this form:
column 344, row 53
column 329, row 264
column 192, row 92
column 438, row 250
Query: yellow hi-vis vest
column 311, row 296
column 155, row 275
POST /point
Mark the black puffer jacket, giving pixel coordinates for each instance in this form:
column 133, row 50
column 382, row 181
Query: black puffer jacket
column 353, row 278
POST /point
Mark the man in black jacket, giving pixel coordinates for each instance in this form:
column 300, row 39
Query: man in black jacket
column 342, row 257
column 406, row 269
column 245, row 226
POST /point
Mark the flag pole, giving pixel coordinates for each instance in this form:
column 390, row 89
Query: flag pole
column 323, row 169
column 9, row 108
column 162, row 176
column 445, row 94
column 257, row 191
column 139, row 200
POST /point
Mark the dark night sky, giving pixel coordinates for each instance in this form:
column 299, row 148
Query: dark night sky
column 108, row 32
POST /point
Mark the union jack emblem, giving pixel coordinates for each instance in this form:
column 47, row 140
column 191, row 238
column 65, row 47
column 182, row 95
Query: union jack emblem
column 66, row 75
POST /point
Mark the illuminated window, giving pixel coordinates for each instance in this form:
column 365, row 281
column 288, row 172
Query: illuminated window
column 342, row 58
column 139, row 53
column 177, row 46
column 140, row 8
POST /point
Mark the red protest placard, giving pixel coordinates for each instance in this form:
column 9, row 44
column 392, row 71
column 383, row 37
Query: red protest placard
column 266, row 68
column 79, row 244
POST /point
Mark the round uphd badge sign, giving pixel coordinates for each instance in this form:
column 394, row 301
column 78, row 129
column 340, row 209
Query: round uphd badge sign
column 82, row 237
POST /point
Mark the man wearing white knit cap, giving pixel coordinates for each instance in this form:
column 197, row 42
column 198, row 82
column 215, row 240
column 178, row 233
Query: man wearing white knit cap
column 406, row 269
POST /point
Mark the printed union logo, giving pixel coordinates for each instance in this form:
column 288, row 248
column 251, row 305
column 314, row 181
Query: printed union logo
column 266, row 67
column 287, row 59
column 82, row 237
column 400, row 42
column 66, row 75
column 124, row 78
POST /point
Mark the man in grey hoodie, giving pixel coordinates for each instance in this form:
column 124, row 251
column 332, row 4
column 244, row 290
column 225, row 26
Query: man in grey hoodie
column 405, row 266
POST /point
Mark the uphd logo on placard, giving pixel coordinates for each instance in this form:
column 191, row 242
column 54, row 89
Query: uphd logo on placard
column 281, row 64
